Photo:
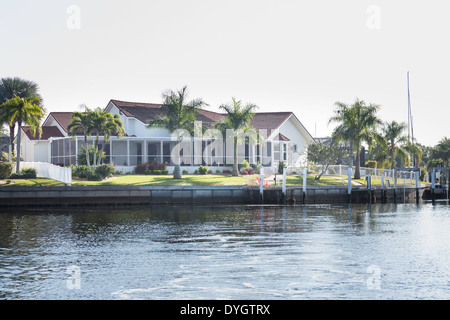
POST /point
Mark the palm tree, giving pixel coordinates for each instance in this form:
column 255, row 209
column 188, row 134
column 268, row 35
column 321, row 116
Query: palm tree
column 353, row 122
column 238, row 118
column 98, row 118
column 23, row 111
column 396, row 141
column 82, row 121
column 112, row 125
column 177, row 114
column 17, row 87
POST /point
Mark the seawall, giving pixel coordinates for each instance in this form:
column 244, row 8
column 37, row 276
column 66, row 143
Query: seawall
column 167, row 195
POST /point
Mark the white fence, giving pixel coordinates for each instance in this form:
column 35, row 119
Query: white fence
column 50, row 171
column 408, row 177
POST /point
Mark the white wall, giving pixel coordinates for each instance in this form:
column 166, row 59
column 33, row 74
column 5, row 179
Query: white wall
column 41, row 151
column 292, row 131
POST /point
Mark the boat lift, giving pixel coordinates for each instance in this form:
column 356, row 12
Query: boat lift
column 439, row 187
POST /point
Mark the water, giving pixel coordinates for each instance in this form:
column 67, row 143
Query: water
column 272, row 252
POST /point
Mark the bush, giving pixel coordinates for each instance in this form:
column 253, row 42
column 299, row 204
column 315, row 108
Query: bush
column 281, row 166
column 147, row 172
column 154, row 165
column 203, row 170
column 196, row 172
column 185, row 172
column 227, row 172
column 26, row 173
column 256, row 167
column 247, row 171
column 371, row 164
column 217, row 171
column 243, row 165
column 6, row 169
column 104, row 170
column 165, row 172
column 157, row 172
column 92, row 176
column 423, row 172
column 80, row 171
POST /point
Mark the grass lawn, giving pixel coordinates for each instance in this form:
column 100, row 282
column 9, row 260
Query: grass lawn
column 187, row 180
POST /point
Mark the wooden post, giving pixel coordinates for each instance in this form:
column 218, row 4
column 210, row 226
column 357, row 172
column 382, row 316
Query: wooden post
column 382, row 189
column 261, row 184
column 433, row 185
column 369, row 188
column 305, row 172
column 283, row 188
column 417, row 186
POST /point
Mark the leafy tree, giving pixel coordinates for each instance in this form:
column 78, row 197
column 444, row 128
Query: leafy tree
column 23, row 111
column 396, row 142
column 238, row 118
column 353, row 121
column 177, row 114
column 325, row 154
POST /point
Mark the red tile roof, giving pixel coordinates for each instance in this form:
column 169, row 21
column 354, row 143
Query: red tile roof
column 47, row 132
column 62, row 118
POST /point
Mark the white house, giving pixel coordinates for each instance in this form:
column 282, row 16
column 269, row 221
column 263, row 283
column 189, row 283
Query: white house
column 286, row 140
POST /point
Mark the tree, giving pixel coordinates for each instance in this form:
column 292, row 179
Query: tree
column 353, row 121
column 82, row 122
column 177, row 114
column 112, row 125
column 23, row 111
column 396, row 141
column 442, row 151
column 325, row 154
column 238, row 118
column 17, row 87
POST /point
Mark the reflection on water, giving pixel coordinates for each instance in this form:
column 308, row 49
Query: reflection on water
column 382, row 251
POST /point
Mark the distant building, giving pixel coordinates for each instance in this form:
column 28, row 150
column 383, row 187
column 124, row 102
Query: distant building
column 287, row 139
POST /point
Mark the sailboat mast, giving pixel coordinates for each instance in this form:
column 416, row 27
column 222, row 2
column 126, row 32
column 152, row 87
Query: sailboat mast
column 410, row 122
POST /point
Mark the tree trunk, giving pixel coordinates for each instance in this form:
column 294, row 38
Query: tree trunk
column 11, row 135
column 177, row 170
column 87, row 153
column 235, row 157
column 18, row 148
column 357, row 163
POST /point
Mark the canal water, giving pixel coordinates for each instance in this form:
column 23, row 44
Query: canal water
column 390, row 251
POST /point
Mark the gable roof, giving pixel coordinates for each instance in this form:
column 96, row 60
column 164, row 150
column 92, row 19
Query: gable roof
column 47, row 132
column 62, row 118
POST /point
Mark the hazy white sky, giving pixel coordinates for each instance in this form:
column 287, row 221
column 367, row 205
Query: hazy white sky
column 299, row 56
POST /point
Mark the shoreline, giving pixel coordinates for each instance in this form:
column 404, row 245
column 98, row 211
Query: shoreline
column 20, row 196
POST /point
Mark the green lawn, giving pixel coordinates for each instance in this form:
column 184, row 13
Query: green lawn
column 188, row 180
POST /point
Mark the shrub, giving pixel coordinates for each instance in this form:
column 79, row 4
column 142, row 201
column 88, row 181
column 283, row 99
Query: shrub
column 104, row 170
column 203, row 170
column 80, row 171
column 154, row 165
column 165, row 172
column 26, row 173
column 243, row 165
column 226, row 171
column 256, row 167
column 147, row 172
column 217, row 171
column 92, row 176
column 185, row 172
column 5, row 169
column 196, row 172
column 371, row 164
column 157, row 172
column 281, row 166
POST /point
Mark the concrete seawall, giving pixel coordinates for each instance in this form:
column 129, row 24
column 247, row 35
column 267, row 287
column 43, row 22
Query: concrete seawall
column 160, row 195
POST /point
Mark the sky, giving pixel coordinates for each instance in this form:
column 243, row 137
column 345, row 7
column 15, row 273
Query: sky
column 283, row 55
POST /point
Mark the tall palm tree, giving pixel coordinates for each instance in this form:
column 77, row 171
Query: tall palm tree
column 82, row 122
column 352, row 124
column 23, row 111
column 112, row 125
column 177, row 114
column 396, row 141
column 98, row 118
column 238, row 118
column 17, row 87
